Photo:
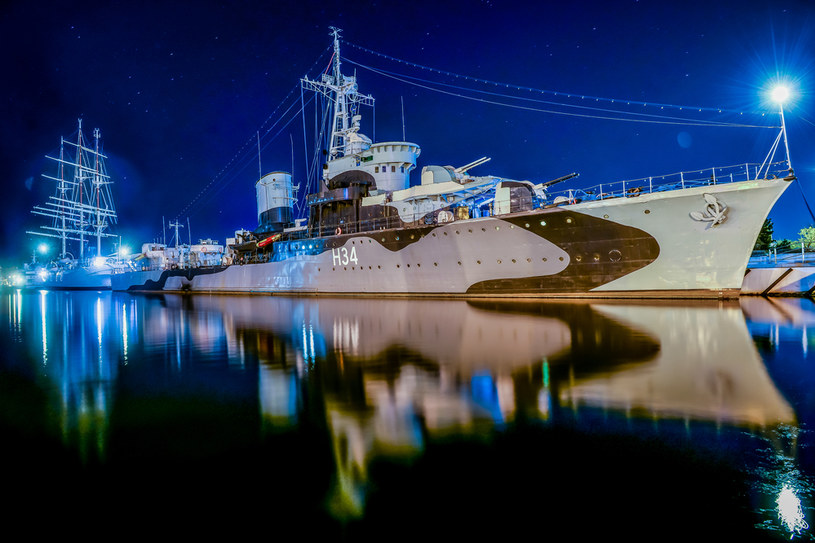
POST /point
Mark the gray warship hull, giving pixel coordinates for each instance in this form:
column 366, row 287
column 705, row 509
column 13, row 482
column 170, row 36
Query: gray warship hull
column 655, row 245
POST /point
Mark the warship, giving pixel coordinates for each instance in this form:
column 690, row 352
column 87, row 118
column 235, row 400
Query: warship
column 452, row 233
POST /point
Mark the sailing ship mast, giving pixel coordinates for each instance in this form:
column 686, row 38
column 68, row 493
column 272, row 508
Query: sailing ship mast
column 82, row 205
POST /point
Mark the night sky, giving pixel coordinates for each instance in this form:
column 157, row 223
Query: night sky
column 181, row 90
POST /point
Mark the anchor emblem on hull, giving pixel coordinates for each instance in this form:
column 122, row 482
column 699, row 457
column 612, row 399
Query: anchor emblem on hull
column 715, row 211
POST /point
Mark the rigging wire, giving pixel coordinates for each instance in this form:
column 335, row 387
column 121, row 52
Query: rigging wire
column 531, row 89
column 237, row 156
column 566, row 113
column 222, row 172
column 243, row 161
column 526, row 98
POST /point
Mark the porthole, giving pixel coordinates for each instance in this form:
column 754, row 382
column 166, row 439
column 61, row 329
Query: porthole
column 579, row 258
column 478, row 262
column 411, row 236
column 397, row 238
column 408, row 265
column 529, row 260
column 614, row 255
column 470, row 230
column 459, row 262
column 544, row 259
column 511, row 226
column 499, row 260
column 379, row 267
column 483, row 229
column 497, row 227
column 560, row 258
column 647, row 211
column 418, row 265
column 435, row 263
column 513, row 261
column 568, row 220
column 543, row 223
column 605, row 216
column 445, row 233
column 527, row 225
column 457, row 232
column 398, row 265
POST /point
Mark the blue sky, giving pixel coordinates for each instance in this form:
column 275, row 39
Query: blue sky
column 181, row 91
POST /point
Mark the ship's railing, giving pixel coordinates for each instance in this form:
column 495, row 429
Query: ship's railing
column 680, row 180
column 350, row 227
column 789, row 257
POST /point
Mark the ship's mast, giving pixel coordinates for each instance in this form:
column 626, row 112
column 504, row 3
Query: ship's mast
column 97, row 185
column 73, row 217
column 343, row 92
column 340, row 122
column 176, row 225
column 62, row 189
column 79, row 180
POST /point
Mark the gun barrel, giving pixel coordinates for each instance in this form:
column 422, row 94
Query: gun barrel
column 473, row 164
column 558, row 180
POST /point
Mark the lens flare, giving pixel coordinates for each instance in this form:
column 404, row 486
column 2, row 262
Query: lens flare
column 780, row 94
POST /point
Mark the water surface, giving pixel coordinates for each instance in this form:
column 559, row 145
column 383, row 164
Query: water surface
column 361, row 419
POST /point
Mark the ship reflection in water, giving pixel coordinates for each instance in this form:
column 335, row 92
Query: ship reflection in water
column 402, row 418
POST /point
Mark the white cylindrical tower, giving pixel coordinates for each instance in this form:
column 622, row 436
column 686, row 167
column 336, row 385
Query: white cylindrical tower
column 275, row 199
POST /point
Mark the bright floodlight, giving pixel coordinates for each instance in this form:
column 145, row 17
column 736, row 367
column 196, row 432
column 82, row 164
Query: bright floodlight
column 43, row 248
column 124, row 251
column 780, row 94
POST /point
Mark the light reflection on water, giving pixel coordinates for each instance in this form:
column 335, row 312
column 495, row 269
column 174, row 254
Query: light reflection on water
column 387, row 380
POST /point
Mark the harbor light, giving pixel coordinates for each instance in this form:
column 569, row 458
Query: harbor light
column 42, row 248
column 124, row 252
column 780, row 94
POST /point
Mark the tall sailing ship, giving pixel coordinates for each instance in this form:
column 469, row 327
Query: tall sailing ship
column 81, row 211
column 369, row 231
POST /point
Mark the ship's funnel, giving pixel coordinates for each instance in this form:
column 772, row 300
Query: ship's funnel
column 275, row 201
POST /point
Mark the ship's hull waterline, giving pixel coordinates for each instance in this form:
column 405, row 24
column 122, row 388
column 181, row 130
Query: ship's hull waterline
column 686, row 243
column 72, row 279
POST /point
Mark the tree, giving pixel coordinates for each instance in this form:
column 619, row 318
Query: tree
column 807, row 236
column 765, row 236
